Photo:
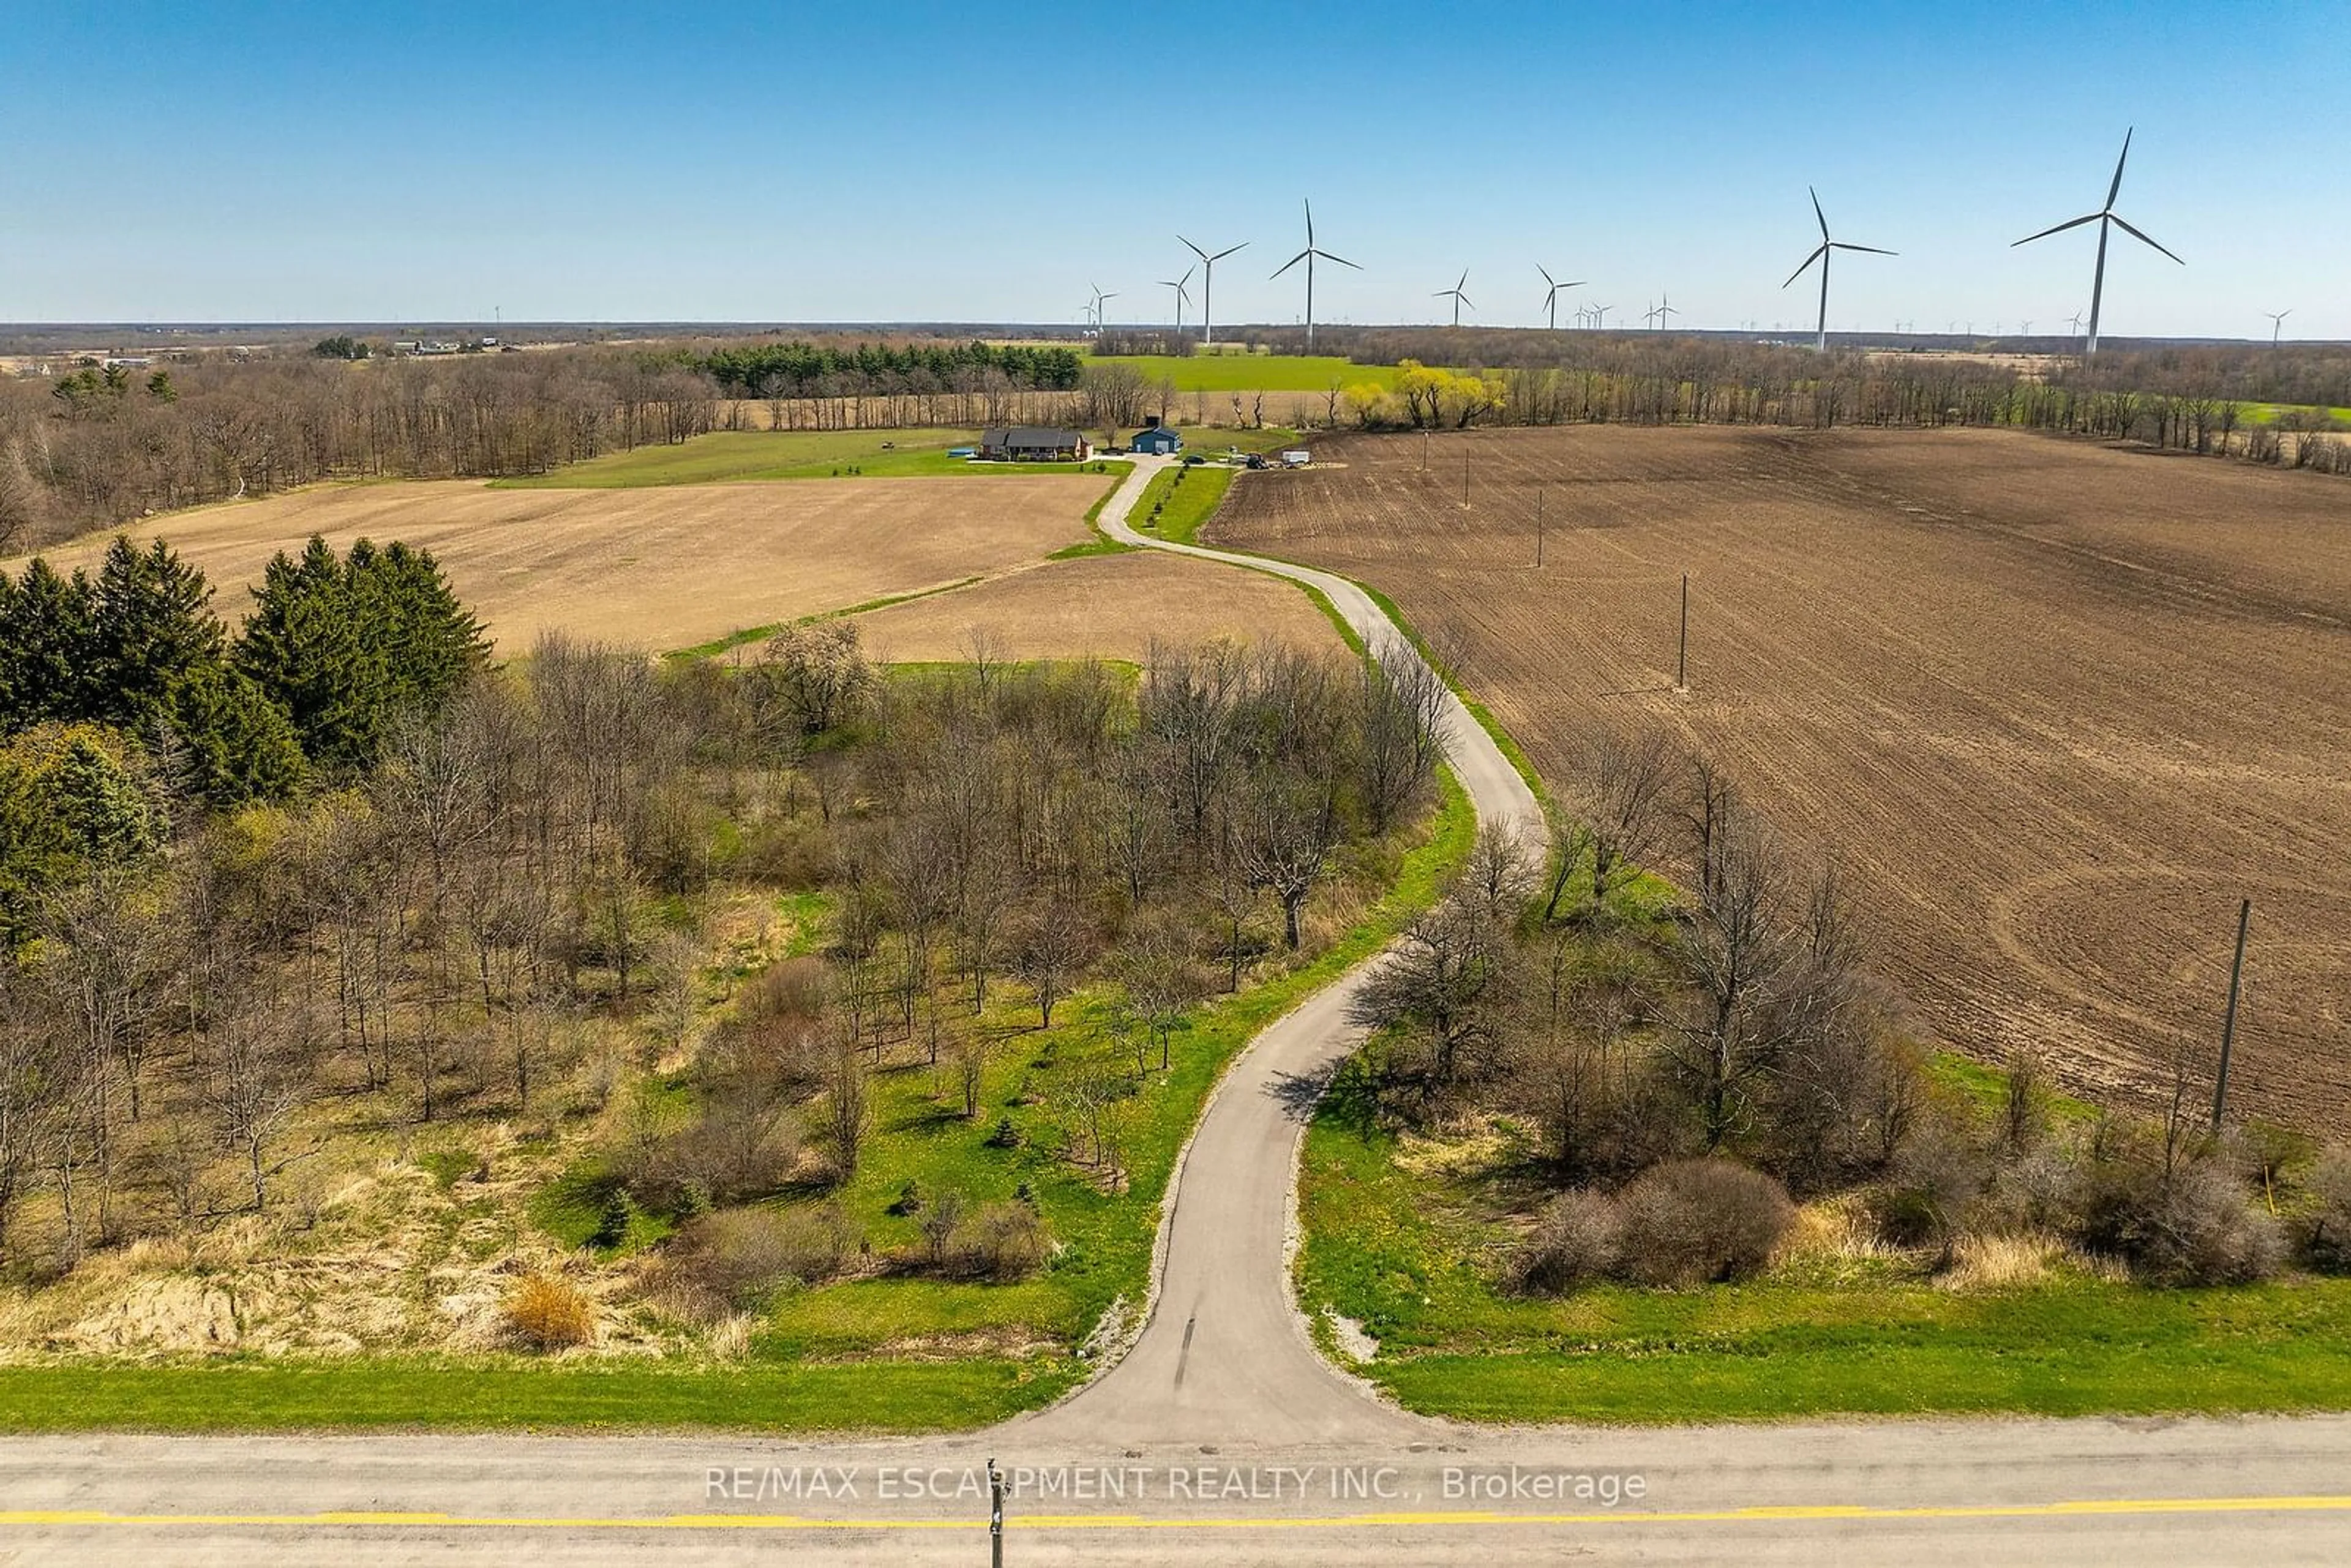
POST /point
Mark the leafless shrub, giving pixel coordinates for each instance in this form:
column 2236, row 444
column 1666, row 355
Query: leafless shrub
column 1578, row 1238
column 2182, row 1221
column 999, row 1242
column 1691, row 1222
column 736, row 1260
column 2327, row 1228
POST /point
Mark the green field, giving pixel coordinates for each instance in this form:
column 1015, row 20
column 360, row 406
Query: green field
column 1253, row 372
column 2271, row 412
column 729, row 455
column 1414, row 1258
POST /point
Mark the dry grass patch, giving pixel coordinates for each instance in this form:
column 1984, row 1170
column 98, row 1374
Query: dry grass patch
column 1111, row 607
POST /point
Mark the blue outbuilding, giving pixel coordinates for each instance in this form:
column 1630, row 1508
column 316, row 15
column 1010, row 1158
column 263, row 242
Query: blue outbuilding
column 1157, row 442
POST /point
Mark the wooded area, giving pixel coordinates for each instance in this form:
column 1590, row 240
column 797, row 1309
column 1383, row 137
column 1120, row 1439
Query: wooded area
column 413, row 924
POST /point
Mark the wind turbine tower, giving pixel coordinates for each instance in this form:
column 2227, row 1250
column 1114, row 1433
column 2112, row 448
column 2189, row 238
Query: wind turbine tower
column 2277, row 324
column 2107, row 220
column 1207, row 285
column 1455, row 294
column 1827, row 247
column 1550, row 300
column 1308, row 255
column 1183, row 293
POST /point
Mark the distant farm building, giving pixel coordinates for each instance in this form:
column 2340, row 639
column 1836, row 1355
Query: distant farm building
column 1297, row 457
column 1157, row 442
column 1034, row 444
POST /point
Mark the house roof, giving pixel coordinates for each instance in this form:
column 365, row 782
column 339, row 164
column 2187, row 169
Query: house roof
column 1030, row 436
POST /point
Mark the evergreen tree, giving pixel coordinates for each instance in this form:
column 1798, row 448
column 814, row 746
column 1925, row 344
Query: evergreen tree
column 348, row 647
column 303, row 646
column 71, row 797
column 236, row 745
column 44, row 649
column 151, row 625
column 434, row 643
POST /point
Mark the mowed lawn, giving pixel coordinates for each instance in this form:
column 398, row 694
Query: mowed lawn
column 1253, row 372
column 728, row 455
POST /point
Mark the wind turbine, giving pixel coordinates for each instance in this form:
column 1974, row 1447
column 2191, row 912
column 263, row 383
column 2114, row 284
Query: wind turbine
column 1183, row 293
column 1550, row 300
column 1308, row 255
column 1662, row 308
column 1600, row 317
column 1821, row 338
column 1455, row 294
column 1099, row 297
column 2277, row 324
column 1207, row 285
column 2103, row 217
column 2074, row 321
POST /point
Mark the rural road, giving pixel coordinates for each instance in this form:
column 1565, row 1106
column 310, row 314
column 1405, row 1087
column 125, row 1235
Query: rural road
column 1221, row 1436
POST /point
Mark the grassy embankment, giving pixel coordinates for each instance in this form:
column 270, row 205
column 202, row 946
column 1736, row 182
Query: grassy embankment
column 884, row 1352
column 1178, row 502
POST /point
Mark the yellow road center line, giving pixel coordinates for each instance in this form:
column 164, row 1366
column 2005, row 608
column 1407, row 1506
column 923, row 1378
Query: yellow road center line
column 2087, row 1508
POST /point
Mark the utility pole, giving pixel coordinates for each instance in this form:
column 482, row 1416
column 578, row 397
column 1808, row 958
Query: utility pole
column 1681, row 662
column 1465, row 479
column 1424, row 449
column 2229, row 1021
column 994, row 1515
column 1539, row 527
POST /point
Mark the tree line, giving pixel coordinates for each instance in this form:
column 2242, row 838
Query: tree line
column 798, row 370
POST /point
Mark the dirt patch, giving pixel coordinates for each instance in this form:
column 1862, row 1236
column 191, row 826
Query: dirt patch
column 2054, row 706
column 1109, row 607
column 663, row 568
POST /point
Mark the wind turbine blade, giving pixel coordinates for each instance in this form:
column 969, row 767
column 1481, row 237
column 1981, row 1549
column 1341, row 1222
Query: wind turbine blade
column 1842, row 244
column 1542, row 269
column 1800, row 272
column 1309, row 221
column 1464, row 300
column 1194, row 249
column 1286, row 266
column 1577, row 284
column 1229, row 250
column 1463, row 282
column 2061, row 228
column 2115, row 189
column 2140, row 238
column 1818, row 214
column 1341, row 260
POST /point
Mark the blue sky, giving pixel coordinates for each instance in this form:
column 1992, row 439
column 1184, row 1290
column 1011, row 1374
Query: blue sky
column 784, row 161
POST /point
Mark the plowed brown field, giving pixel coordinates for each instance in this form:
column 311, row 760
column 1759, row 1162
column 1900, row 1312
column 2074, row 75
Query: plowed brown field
column 2055, row 707
column 662, row 568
